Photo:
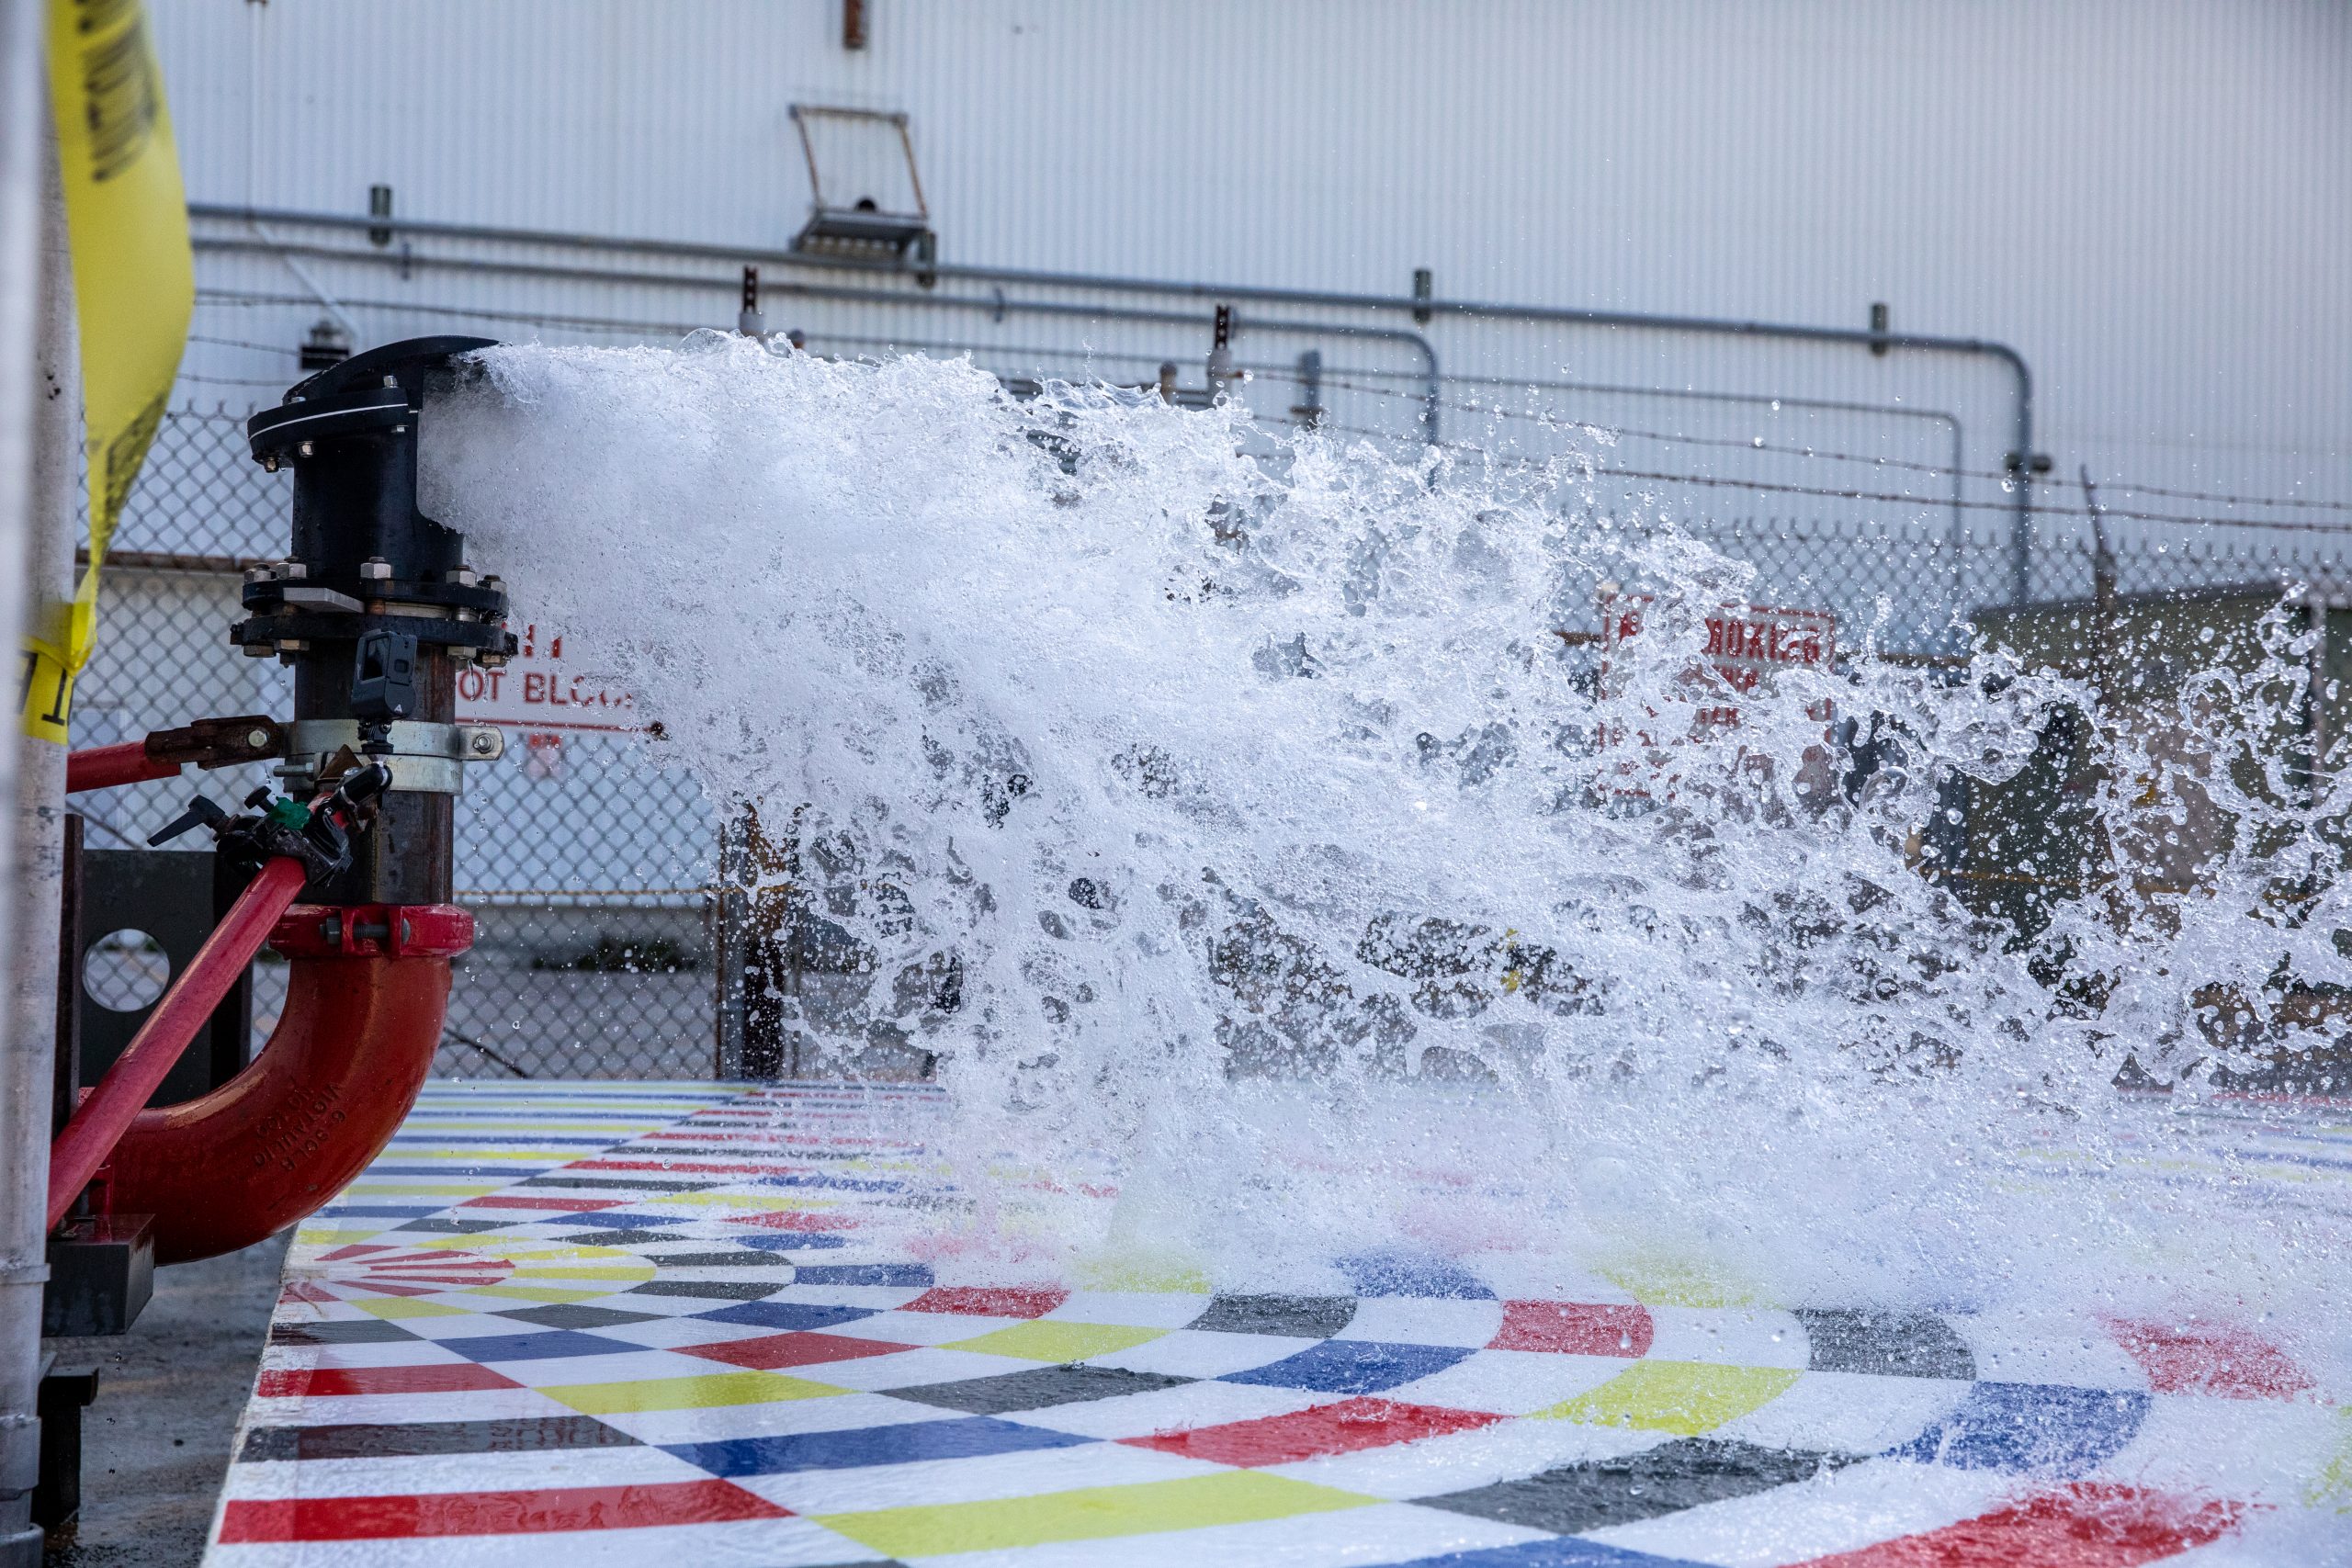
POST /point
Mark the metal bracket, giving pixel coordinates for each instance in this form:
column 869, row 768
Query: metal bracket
column 219, row 743
column 426, row 758
column 102, row 1273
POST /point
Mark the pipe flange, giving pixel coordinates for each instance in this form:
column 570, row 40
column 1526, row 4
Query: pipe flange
column 426, row 759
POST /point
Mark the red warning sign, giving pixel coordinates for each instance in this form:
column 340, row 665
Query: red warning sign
column 544, row 691
column 1745, row 646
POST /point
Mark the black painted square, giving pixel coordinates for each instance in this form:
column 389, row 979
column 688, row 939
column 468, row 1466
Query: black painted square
column 1304, row 1317
column 618, row 1183
column 367, row 1331
column 1034, row 1389
column 716, row 1289
column 1891, row 1344
column 1673, row 1476
column 572, row 1315
column 414, row 1439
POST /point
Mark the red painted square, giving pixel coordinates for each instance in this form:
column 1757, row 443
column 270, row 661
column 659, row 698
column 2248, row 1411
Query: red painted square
column 492, row 1513
column 2210, row 1358
column 799, row 1220
column 990, row 1301
column 1574, row 1328
column 1345, row 1427
column 457, row 1377
column 799, row 1349
column 356, row 1250
column 2087, row 1525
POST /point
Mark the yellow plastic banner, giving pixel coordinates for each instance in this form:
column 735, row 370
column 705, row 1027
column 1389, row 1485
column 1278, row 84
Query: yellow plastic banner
column 135, row 286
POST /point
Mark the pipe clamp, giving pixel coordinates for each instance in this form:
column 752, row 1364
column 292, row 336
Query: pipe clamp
column 426, row 759
column 373, row 931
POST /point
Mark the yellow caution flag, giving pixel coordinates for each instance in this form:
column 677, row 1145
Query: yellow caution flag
column 135, row 286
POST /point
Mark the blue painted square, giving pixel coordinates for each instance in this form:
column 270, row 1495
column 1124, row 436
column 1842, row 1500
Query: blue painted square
column 605, row 1219
column 968, row 1438
column 911, row 1276
column 785, row 1314
column 812, row 1241
column 1412, row 1274
column 1561, row 1551
column 536, row 1346
column 2043, row 1429
column 838, row 1183
column 1352, row 1366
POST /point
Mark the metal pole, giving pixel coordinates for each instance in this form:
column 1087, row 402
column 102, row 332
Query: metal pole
column 35, row 302
column 2020, row 467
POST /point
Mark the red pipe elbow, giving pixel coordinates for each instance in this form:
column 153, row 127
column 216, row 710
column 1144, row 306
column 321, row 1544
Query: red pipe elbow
column 352, row 1049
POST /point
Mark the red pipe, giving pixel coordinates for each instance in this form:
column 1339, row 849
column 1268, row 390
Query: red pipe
column 363, row 1019
column 101, row 1120
column 106, row 767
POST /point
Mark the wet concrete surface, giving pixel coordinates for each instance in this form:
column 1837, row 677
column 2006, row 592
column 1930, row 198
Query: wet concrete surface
column 156, row 1445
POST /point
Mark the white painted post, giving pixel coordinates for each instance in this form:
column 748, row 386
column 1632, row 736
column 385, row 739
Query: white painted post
column 27, row 147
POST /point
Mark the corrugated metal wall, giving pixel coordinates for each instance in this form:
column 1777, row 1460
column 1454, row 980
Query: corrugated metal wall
column 2150, row 198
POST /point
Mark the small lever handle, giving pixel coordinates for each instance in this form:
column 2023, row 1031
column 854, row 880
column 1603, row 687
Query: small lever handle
column 201, row 813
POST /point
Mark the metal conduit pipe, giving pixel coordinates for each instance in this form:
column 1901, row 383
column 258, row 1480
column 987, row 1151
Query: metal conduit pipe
column 374, row 609
column 996, row 304
column 2018, row 462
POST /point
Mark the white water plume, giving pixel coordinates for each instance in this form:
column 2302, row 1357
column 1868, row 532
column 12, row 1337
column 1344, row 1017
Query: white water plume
column 1225, row 811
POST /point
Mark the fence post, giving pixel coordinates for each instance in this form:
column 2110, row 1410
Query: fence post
column 727, row 1009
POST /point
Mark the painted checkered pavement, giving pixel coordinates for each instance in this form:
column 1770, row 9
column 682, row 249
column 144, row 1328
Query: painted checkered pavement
column 631, row 1324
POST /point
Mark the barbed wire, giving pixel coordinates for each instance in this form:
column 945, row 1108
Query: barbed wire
column 1589, row 468
column 1595, row 427
column 1344, row 381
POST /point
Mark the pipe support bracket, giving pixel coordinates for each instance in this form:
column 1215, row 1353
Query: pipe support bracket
column 426, row 759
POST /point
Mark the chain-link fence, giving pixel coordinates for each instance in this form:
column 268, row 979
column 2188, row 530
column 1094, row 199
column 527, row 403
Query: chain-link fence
column 593, row 870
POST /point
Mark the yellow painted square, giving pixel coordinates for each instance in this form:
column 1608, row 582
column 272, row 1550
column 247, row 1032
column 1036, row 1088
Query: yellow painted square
column 1675, row 1281
column 2332, row 1486
column 1229, row 1497
column 1043, row 1339
column 686, row 1393
column 1682, row 1397
column 408, row 1306
column 1160, row 1273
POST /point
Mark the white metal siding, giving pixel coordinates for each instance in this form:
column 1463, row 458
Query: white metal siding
column 2152, row 199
